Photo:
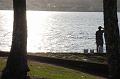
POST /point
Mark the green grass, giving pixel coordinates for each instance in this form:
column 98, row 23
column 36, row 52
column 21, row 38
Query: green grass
column 47, row 71
column 56, row 72
column 2, row 63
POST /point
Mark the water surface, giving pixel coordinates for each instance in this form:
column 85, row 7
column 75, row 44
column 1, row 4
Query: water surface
column 54, row 31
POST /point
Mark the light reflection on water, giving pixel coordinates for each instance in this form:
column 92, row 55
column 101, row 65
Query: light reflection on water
column 54, row 31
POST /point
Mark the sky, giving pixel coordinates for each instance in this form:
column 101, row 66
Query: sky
column 59, row 5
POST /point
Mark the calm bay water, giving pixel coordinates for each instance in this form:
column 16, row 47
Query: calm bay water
column 54, row 31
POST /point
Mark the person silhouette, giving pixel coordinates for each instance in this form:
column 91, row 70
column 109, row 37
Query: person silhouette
column 99, row 39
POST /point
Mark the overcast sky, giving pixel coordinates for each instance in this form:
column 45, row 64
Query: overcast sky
column 59, row 5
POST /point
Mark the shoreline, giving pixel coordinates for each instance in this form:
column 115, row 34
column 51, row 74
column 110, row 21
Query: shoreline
column 100, row 58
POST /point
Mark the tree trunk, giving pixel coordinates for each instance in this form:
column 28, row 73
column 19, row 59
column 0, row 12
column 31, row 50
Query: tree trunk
column 112, row 37
column 16, row 67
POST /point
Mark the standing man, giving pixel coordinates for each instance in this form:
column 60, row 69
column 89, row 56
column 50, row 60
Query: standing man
column 99, row 39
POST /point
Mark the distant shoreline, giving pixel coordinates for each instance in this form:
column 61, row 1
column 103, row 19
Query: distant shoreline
column 54, row 10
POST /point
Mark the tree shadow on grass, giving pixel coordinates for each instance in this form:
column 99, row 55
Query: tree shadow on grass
column 87, row 67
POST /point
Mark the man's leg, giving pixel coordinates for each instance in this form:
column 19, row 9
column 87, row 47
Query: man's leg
column 97, row 48
column 101, row 48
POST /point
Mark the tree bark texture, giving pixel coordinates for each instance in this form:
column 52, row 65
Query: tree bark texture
column 112, row 37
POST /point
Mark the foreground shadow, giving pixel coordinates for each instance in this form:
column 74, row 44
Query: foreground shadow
column 87, row 67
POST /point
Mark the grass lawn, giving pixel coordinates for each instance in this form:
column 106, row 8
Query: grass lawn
column 47, row 71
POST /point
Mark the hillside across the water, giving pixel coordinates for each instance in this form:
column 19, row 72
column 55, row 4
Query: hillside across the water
column 59, row 5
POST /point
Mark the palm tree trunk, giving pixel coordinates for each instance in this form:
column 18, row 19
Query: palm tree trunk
column 112, row 37
column 16, row 67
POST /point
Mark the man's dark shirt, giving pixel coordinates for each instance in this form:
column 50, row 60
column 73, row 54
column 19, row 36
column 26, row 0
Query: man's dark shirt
column 99, row 37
